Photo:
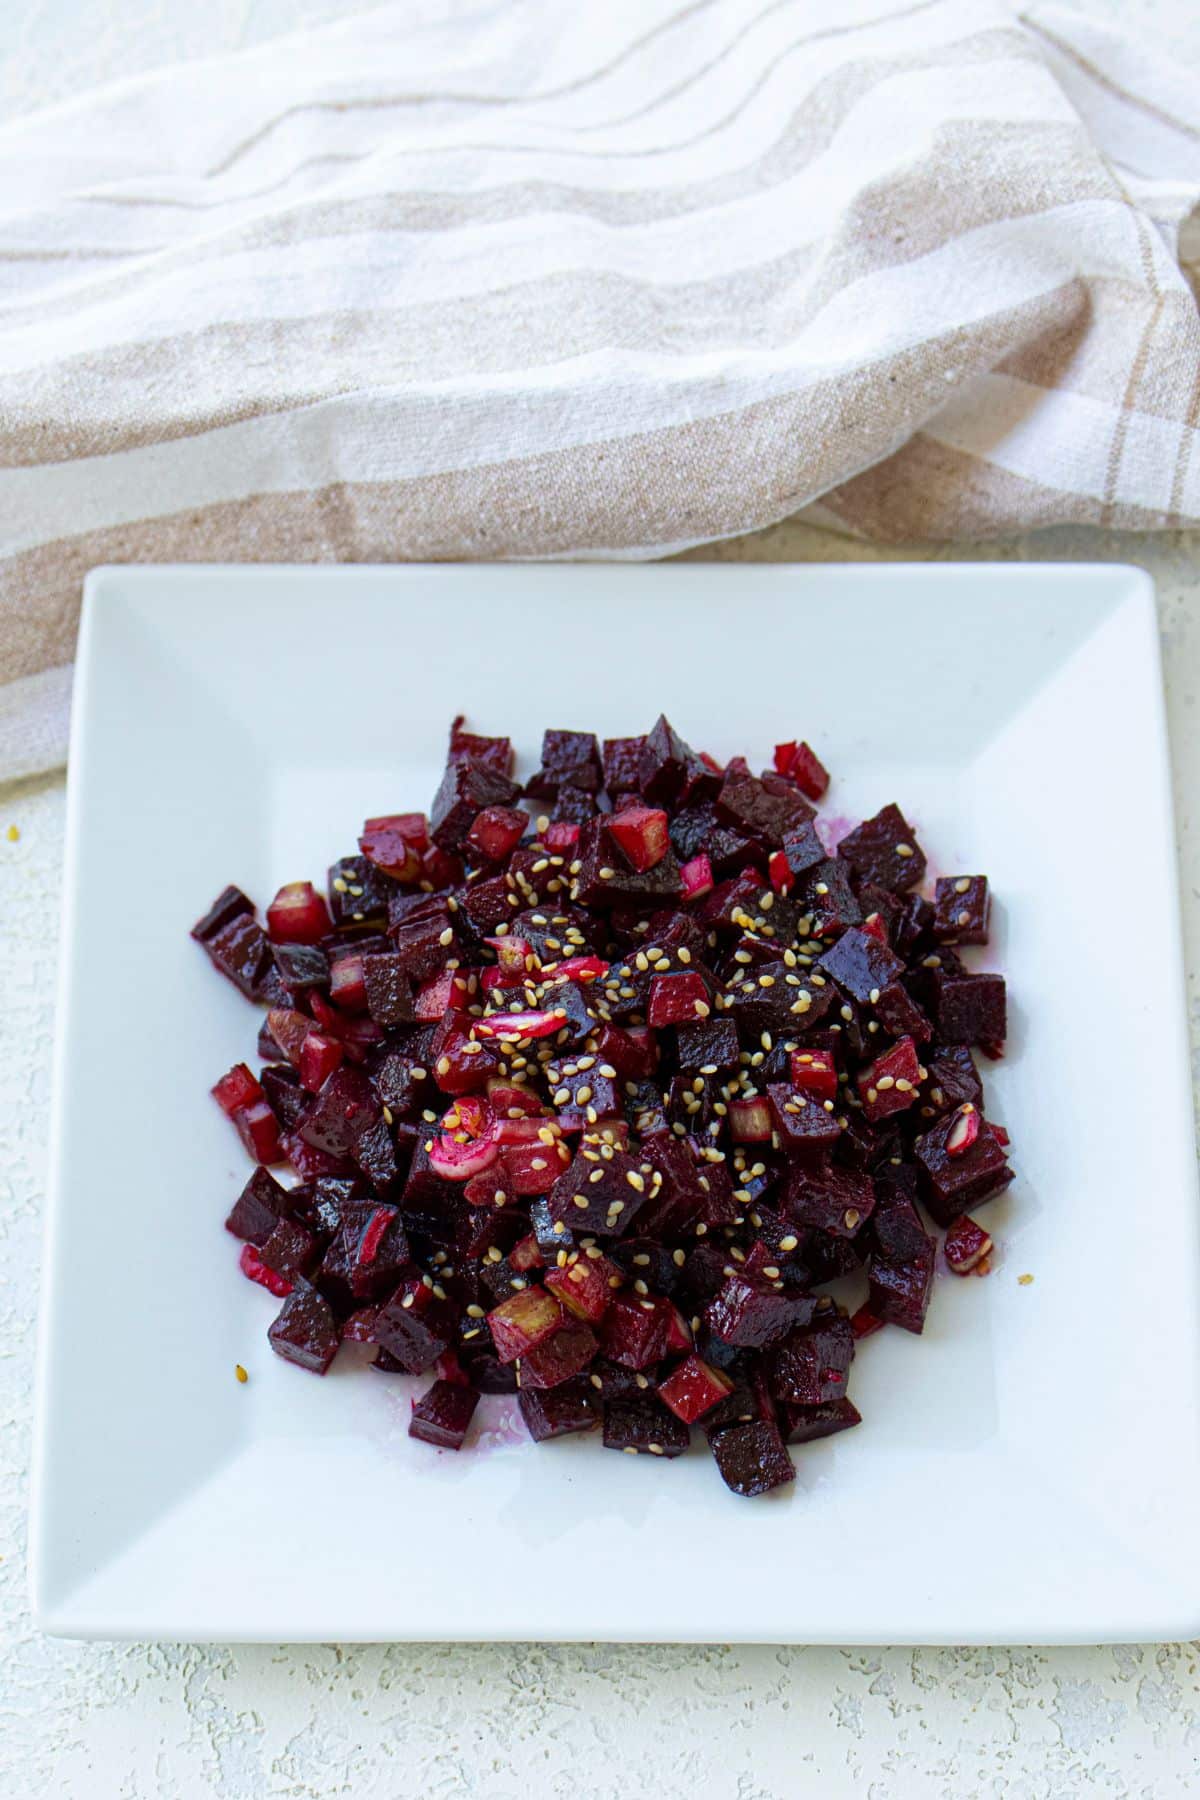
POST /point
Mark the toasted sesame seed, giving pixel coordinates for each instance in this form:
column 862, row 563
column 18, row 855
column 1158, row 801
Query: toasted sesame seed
column 905, row 850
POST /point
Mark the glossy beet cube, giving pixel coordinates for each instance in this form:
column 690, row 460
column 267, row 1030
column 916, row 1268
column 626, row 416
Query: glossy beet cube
column 890, row 1083
column 298, row 915
column 560, row 1357
column 621, row 760
column 709, row 1047
column 972, row 1009
column 532, row 1169
column 830, row 1199
column 899, row 1015
column 804, row 1124
column 805, row 768
column 569, row 759
column 443, row 1413
column 258, row 1208
column 810, row 1365
column 752, row 1458
column 828, row 897
column 557, row 1411
column 525, row 1321
column 255, row 1269
column 761, row 816
column 961, row 909
column 666, row 764
column 497, row 752
column 677, row 999
column 953, row 1081
column 319, row 1057
column 468, row 787
column 814, row 1073
column 395, row 843
column 388, row 989
column 861, row 965
column 581, row 1284
column 415, row 1326
column 290, row 1250
column 236, row 1090
column 805, row 1424
column 634, row 1330
column 241, row 951
column 602, row 1194
column 899, row 1292
column 229, row 905
column 966, row 1246
column 957, row 1179
column 750, row 1314
column 305, row 1332
column 641, row 831
column 642, row 1425
column 897, row 1232
column 885, row 850
column 694, row 1388
column 497, row 831
column 358, row 892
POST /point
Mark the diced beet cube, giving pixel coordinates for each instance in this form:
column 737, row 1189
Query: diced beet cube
column 808, row 772
column 751, row 1314
column 602, row 1194
column 752, row 1458
column 319, row 1057
column 622, row 763
column 497, row 831
column 560, row 1357
column 415, row 1326
column 395, row 843
column 525, row 1321
column 305, row 1332
column 582, row 1284
column 388, row 989
column 814, row 1072
column 665, row 765
column 966, row 1245
column 693, row 1388
column 569, row 759
column 829, row 898
column 555, row 1412
column 899, row 1292
column 255, row 1269
column 289, row 1250
column 810, row 1365
column 533, row 1168
column 961, row 909
column 358, row 892
column 241, row 951
column 642, row 834
column 861, row 965
column 896, row 1228
column 230, row 904
column 634, row 1330
column 709, row 1047
column 677, row 1000
column 956, row 1180
column 802, row 1122
column 890, row 1083
column 468, row 787
column 972, row 1009
column 258, row 1208
column 258, row 1129
column 899, row 1015
column 237, row 1089
column 298, row 915
column 830, row 1199
column 496, row 752
column 805, row 1424
column 750, row 1121
column 885, row 850
column 696, row 878
column 641, row 1424
column 442, row 1414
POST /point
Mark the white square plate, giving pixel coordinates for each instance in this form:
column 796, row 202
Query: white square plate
column 1027, row 1471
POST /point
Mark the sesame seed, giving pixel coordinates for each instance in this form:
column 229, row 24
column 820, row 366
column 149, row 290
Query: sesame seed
column 475, row 1312
column 963, row 884
column 340, row 886
column 446, row 937
column 905, row 850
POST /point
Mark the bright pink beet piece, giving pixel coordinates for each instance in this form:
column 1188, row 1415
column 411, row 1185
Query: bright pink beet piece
column 696, row 878
column 677, row 1000
column 693, row 1388
column 967, row 1246
column 236, row 1090
column 253, row 1267
column 642, row 834
column 442, row 1415
column 319, row 1057
column 298, row 915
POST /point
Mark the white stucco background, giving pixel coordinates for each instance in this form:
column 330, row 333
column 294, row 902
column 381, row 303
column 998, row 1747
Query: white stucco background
column 98, row 1722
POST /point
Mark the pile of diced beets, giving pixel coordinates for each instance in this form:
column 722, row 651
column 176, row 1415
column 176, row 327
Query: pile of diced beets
column 592, row 1103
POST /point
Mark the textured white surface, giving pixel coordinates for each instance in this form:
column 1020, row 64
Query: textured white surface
column 749, row 1724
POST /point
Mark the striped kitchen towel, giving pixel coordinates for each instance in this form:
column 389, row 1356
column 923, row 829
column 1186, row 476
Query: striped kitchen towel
column 526, row 279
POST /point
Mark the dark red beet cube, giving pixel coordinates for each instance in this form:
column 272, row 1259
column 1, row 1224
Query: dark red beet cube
column 305, row 1332
column 641, row 1424
column 621, row 760
column 829, row 1199
column 972, row 1009
column 966, row 1246
column 258, row 1208
column 229, row 904
column 961, row 909
column 803, row 1123
column 241, row 951
column 602, row 1194
column 752, row 1459
column 388, row 989
column 559, row 1357
column 708, row 1047
column 523, row 1322
column 749, row 1314
column 633, row 1332
column 890, row 1083
column 810, row 1365
column 255, row 1269
column 443, row 1413
column 953, row 1081
column 570, row 759
column 885, row 850
column 415, row 1326
column 497, row 752
column 957, row 1179
column 468, row 787
column 555, row 1412
column 805, row 1424
column 289, row 1250
column 678, row 999
column 861, row 965
column 899, row 1292
column 693, row 1388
